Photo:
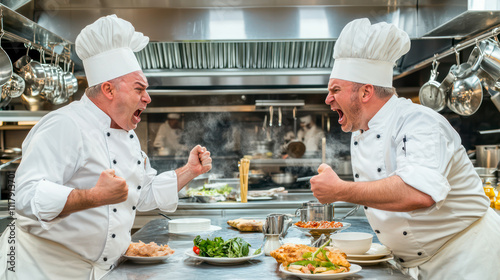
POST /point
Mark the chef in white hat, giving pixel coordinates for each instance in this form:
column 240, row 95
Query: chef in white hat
column 168, row 137
column 83, row 175
column 419, row 190
column 310, row 134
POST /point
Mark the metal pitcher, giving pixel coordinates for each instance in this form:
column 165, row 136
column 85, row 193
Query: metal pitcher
column 315, row 211
column 277, row 224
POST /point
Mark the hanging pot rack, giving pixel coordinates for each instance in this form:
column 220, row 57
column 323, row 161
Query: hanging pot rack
column 493, row 32
column 18, row 28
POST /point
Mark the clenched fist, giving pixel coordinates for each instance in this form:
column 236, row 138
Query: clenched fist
column 110, row 189
column 325, row 185
column 199, row 161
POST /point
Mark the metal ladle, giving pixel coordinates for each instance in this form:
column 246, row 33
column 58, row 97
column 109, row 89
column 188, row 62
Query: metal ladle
column 5, row 63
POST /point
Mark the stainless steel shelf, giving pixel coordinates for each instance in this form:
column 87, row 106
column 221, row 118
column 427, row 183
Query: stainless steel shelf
column 16, row 116
column 285, row 162
column 20, row 29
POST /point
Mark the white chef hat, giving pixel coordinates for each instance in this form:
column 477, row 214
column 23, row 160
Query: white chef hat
column 107, row 48
column 173, row 116
column 366, row 53
column 306, row 119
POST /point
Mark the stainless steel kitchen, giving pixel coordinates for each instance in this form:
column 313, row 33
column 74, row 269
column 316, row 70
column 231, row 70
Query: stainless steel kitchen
column 280, row 139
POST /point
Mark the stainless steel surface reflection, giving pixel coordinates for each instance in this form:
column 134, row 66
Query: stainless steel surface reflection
column 179, row 266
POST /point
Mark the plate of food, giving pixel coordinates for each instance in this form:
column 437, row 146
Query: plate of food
column 316, row 228
column 225, row 260
column 218, row 251
column 211, row 193
column 308, row 262
column 354, row 268
column 247, row 224
column 141, row 252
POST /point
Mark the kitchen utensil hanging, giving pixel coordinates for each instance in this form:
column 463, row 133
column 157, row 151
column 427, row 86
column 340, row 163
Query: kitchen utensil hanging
column 24, row 60
column 490, row 67
column 431, row 94
column 466, row 93
column 5, row 63
column 34, row 75
column 295, row 148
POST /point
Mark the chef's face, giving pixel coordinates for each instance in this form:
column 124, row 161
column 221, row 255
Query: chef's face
column 342, row 99
column 129, row 100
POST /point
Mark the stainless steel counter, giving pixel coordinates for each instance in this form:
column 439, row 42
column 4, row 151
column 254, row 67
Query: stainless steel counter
column 282, row 203
column 180, row 266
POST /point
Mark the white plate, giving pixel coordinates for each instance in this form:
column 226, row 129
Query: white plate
column 376, row 251
column 212, row 228
column 147, row 259
column 319, row 231
column 371, row 262
column 224, row 261
column 260, row 197
column 353, row 269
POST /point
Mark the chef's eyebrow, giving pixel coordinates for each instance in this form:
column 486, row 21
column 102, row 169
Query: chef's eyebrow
column 141, row 84
column 334, row 87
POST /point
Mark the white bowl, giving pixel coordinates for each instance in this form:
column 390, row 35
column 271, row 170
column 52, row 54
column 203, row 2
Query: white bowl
column 188, row 225
column 356, row 243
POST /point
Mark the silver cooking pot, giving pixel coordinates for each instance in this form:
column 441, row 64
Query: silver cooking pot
column 487, row 156
column 315, row 211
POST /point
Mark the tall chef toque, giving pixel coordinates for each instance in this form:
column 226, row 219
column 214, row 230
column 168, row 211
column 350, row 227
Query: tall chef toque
column 366, row 53
column 107, row 48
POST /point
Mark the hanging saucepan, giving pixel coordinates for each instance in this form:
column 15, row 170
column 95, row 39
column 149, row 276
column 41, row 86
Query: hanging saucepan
column 295, row 148
column 430, row 94
column 14, row 87
column 34, row 75
column 24, row 60
column 5, row 63
column 490, row 50
column 4, row 98
column 466, row 93
column 70, row 81
column 490, row 65
column 490, row 86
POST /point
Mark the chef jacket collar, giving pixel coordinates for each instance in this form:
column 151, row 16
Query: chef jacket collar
column 381, row 117
column 103, row 120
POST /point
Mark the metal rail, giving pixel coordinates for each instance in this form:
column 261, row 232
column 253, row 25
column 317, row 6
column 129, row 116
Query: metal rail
column 461, row 46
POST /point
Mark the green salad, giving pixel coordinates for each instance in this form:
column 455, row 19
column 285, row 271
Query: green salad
column 211, row 190
column 218, row 248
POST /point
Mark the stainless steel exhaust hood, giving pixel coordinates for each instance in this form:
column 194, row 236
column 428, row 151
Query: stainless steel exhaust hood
column 282, row 41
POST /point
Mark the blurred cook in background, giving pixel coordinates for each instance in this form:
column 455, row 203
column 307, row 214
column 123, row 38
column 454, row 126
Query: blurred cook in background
column 168, row 138
column 310, row 134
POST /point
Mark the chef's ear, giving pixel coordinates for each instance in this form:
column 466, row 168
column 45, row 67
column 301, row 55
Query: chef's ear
column 368, row 92
column 108, row 90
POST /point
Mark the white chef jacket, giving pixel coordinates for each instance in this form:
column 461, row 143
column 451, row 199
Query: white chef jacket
column 312, row 138
column 68, row 149
column 421, row 147
column 168, row 139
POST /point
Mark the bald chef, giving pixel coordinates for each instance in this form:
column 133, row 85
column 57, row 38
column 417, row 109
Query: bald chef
column 421, row 193
column 83, row 175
